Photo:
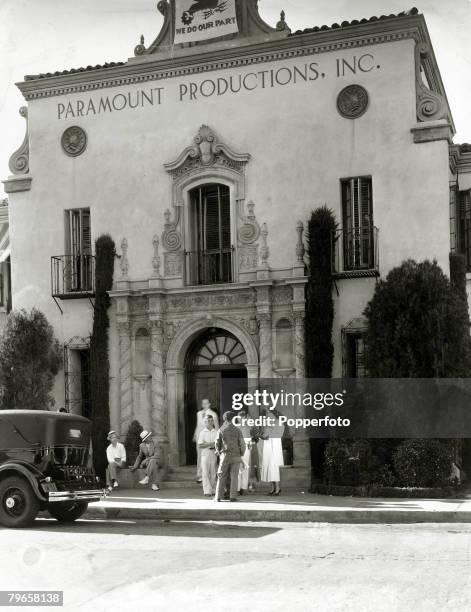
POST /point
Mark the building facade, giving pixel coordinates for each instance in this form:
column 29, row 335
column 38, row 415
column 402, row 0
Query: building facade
column 203, row 159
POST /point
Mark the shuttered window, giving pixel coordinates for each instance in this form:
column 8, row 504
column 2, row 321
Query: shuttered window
column 464, row 226
column 210, row 260
column 79, row 237
column 357, row 216
column 353, row 354
column 78, row 262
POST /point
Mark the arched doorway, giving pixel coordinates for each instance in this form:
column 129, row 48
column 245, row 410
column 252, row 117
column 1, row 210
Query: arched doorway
column 214, row 356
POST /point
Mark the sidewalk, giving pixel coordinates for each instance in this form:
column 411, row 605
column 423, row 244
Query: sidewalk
column 190, row 505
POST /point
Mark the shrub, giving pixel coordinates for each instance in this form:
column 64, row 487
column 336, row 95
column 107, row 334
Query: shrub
column 133, row 440
column 418, row 324
column 30, row 358
column 349, row 462
column 423, row 463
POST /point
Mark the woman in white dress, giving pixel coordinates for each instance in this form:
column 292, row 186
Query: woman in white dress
column 243, row 483
column 272, row 456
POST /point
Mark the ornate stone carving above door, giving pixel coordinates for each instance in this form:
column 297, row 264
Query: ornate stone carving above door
column 206, row 151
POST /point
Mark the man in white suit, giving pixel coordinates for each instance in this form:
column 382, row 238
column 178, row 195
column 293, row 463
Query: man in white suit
column 205, row 411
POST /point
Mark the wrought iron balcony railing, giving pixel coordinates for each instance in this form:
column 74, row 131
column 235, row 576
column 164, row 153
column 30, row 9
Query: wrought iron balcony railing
column 72, row 276
column 209, row 267
column 355, row 252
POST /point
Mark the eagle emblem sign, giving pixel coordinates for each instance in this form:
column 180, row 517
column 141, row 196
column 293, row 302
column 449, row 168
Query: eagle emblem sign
column 203, row 19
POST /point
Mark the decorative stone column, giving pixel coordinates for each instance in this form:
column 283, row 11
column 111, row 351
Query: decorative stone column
column 125, row 374
column 299, row 344
column 159, row 416
column 265, row 333
column 301, row 445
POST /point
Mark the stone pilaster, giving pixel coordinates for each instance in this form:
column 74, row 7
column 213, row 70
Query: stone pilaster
column 265, row 333
column 159, row 416
column 299, row 344
column 125, row 374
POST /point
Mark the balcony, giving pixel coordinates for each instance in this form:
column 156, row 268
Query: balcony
column 355, row 253
column 209, row 267
column 72, row 276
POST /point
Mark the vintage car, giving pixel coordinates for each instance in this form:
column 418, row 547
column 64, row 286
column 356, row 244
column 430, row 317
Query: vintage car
column 44, row 465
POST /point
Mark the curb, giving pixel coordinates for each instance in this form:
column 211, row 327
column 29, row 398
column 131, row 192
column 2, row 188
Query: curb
column 282, row 516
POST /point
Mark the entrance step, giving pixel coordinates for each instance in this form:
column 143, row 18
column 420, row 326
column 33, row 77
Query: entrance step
column 186, row 473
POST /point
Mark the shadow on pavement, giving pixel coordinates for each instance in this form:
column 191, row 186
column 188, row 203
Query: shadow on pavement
column 153, row 528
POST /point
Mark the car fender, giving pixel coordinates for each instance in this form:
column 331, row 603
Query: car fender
column 28, row 471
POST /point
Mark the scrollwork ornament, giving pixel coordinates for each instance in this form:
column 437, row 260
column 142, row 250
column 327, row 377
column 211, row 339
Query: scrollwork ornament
column 171, row 239
column 249, row 231
column 19, row 161
column 430, row 104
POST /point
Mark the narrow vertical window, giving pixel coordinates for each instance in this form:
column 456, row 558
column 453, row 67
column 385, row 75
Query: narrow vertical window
column 358, row 228
column 78, row 263
column 464, row 226
column 210, row 260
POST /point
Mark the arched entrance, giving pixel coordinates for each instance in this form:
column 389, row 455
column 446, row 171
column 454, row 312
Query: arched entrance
column 213, row 357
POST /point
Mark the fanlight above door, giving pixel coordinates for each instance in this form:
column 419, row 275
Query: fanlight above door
column 219, row 350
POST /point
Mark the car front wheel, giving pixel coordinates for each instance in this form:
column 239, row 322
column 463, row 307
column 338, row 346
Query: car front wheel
column 18, row 503
column 67, row 512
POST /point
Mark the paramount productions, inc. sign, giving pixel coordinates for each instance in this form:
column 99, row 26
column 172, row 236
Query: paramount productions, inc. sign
column 202, row 19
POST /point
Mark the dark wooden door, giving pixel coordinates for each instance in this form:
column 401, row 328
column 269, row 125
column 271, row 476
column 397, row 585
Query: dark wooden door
column 201, row 385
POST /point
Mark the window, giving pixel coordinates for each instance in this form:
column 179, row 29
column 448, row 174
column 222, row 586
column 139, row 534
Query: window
column 358, row 230
column 78, row 260
column 453, row 217
column 78, row 235
column 210, row 258
column 354, row 355
column 464, row 226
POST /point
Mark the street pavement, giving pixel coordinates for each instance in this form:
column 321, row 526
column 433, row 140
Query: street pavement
column 117, row 565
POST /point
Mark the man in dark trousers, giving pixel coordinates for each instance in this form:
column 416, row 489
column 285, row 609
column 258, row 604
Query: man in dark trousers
column 230, row 447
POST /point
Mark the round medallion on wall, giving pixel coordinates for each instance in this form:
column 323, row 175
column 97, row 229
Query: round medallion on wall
column 74, row 141
column 352, row 101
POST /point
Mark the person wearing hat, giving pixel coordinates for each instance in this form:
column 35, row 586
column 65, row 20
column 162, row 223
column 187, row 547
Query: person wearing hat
column 148, row 458
column 116, row 455
column 205, row 411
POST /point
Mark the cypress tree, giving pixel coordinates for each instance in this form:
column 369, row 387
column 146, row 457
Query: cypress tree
column 319, row 300
column 99, row 358
column 319, row 311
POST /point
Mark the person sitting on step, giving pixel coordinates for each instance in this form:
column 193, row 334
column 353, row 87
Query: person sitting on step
column 116, row 455
column 148, row 458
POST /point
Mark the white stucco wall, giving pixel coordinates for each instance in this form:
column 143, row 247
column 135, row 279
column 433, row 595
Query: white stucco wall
column 300, row 148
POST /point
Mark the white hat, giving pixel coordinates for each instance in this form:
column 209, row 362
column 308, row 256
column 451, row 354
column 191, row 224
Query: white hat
column 111, row 433
column 145, row 434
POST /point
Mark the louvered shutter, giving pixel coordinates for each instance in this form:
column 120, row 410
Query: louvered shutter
column 86, row 233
